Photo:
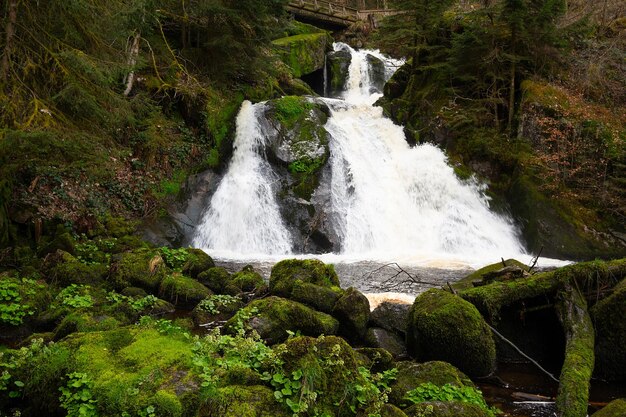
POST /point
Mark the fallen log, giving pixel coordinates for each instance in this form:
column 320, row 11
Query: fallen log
column 573, row 394
column 490, row 298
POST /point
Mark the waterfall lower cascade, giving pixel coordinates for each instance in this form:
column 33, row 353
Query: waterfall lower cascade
column 387, row 200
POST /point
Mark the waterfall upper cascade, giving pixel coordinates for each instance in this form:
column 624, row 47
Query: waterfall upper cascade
column 386, row 201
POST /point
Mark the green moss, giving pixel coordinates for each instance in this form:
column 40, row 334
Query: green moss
column 477, row 275
column 319, row 297
column 412, row 374
column 70, row 270
column 615, row 408
column 574, row 383
column 216, row 278
column 170, row 186
column 246, row 280
column 353, row 312
column 142, row 268
column 304, row 53
column 290, row 109
column 84, row 322
column 445, row 327
column 446, row 409
column 183, row 291
column 275, row 316
column 610, row 334
column 285, row 273
column 197, row 262
column 243, row 401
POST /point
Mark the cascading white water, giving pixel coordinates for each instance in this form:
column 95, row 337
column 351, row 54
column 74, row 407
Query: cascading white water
column 243, row 217
column 388, row 201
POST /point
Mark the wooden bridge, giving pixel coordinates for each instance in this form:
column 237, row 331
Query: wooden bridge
column 333, row 12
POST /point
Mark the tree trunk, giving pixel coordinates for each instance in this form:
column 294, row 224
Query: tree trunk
column 132, row 61
column 573, row 396
column 5, row 65
column 511, row 98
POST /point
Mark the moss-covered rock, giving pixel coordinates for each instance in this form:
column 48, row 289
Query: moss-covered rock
column 443, row 326
column 142, row 268
column 243, row 401
column 272, row 317
column 390, row 410
column 183, row 291
column 312, row 271
column 197, row 262
column 446, row 409
column 245, row 281
column 62, row 241
column 479, row 275
column 216, row 307
column 330, row 368
column 616, row 408
column 375, row 359
column 216, row 279
column 411, row 375
column 338, row 64
column 353, row 312
column 69, row 270
column 319, row 297
column 84, row 322
column 610, row 327
column 304, row 53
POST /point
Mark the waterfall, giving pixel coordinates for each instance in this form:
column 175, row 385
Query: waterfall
column 243, row 216
column 387, row 200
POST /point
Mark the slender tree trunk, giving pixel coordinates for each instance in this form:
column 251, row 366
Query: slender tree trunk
column 511, row 98
column 132, row 61
column 8, row 46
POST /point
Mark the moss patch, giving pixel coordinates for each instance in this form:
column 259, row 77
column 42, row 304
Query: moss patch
column 312, row 271
column 303, row 53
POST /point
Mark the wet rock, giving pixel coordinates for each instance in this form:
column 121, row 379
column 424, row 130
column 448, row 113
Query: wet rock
column 391, row 316
column 381, row 338
column 443, row 326
column 377, row 73
column 338, row 65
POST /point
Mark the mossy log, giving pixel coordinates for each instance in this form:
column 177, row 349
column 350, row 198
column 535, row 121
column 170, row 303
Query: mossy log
column 573, row 394
column 489, row 299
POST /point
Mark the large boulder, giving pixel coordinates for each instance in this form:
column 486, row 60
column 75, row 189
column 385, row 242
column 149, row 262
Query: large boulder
column 143, row 268
column 381, row 338
column 246, row 281
column 286, row 273
column 353, row 312
column 274, row 317
column 216, row 279
column 411, row 375
column 319, row 297
column 610, row 326
column 183, row 291
column 391, row 316
column 69, row 270
column 304, row 53
column 443, row 326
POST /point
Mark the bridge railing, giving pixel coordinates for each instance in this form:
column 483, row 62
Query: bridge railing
column 326, row 7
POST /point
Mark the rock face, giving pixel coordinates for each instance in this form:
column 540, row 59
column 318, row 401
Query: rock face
column 608, row 317
column 297, row 148
column 337, row 64
column 353, row 312
column 304, row 53
column 391, row 316
column 443, row 326
column 377, row 73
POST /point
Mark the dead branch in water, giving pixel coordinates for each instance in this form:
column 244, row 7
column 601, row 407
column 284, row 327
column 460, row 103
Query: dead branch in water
column 410, row 278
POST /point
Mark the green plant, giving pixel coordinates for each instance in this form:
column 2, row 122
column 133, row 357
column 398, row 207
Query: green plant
column 13, row 309
column 448, row 392
column 77, row 398
column 174, row 258
column 137, row 304
column 76, row 296
column 212, row 303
